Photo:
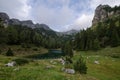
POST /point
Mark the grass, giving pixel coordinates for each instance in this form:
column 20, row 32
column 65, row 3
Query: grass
column 108, row 69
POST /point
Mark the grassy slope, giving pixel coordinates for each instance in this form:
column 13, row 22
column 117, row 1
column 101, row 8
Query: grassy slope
column 108, row 69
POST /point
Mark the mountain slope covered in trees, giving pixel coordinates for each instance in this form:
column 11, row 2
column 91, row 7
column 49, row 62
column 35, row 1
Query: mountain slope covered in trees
column 105, row 30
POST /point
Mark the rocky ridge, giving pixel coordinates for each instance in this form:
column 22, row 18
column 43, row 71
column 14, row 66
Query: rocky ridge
column 102, row 12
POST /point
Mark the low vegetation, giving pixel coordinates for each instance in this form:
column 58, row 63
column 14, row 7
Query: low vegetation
column 107, row 69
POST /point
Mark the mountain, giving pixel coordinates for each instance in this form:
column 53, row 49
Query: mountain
column 103, row 12
column 44, row 30
column 28, row 23
column 44, row 26
column 4, row 16
column 41, row 28
column 70, row 32
column 104, row 32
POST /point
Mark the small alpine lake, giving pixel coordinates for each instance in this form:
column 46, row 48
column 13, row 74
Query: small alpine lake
column 51, row 54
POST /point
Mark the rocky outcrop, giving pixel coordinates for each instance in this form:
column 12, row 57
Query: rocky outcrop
column 28, row 23
column 7, row 21
column 100, row 14
column 44, row 26
column 14, row 22
column 4, row 16
column 103, row 12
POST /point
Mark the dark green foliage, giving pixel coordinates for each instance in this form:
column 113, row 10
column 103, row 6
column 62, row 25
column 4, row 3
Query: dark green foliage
column 35, row 49
column 12, row 35
column 115, row 56
column 80, row 66
column 25, row 45
column 3, row 35
column 68, row 60
column 96, row 45
column 0, row 51
column 9, row 52
column 21, row 61
column 17, row 34
column 67, row 49
column 106, row 33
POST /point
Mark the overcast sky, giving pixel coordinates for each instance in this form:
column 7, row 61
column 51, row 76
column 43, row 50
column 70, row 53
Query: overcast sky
column 60, row 15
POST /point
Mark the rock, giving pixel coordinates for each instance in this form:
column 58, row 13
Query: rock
column 87, row 57
column 4, row 16
column 70, row 71
column 48, row 67
column 51, row 61
column 102, row 13
column 54, row 63
column 62, row 61
column 28, row 23
column 62, row 69
column 43, row 26
column 96, row 62
column 16, row 69
column 11, row 64
column 14, row 22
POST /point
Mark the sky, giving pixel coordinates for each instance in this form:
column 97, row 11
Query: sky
column 59, row 15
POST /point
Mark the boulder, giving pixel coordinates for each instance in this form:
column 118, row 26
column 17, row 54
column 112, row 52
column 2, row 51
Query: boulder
column 70, row 71
column 11, row 64
column 49, row 67
column 96, row 62
column 67, row 70
column 62, row 61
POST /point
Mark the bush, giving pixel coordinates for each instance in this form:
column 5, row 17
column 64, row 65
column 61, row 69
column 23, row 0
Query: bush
column 0, row 51
column 35, row 49
column 9, row 52
column 115, row 56
column 21, row 61
column 25, row 45
column 80, row 66
column 68, row 62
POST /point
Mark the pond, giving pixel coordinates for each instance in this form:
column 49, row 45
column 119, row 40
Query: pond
column 52, row 53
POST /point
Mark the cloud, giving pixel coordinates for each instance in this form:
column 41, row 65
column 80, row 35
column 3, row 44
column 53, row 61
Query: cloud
column 82, row 22
column 60, row 15
column 55, row 16
column 15, row 8
column 95, row 3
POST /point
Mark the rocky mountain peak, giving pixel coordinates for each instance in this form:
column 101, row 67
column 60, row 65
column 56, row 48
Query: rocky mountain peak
column 100, row 14
column 103, row 12
column 14, row 22
column 28, row 23
column 4, row 16
column 44, row 26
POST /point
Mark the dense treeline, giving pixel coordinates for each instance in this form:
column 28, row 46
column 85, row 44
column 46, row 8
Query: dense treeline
column 22, row 35
column 106, row 33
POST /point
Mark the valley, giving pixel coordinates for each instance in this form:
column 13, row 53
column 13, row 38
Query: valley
column 33, row 51
column 107, row 69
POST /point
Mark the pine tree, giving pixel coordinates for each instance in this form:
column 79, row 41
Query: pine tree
column 67, row 49
column 9, row 52
column 80, row 65
column 96, row 45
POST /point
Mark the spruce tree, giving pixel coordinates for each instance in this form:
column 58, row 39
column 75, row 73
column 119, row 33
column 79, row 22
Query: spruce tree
column 80, row 65
column 9, row 52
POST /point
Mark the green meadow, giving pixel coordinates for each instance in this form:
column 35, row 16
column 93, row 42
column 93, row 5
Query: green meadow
column 107, row 69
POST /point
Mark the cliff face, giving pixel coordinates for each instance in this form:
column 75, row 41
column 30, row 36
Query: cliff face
column 103, row 12
column 7, row 21
column 4, row 16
